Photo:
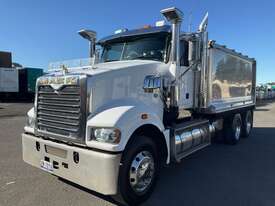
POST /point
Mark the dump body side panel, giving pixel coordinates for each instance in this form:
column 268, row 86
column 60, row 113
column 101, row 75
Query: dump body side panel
column 231, row 80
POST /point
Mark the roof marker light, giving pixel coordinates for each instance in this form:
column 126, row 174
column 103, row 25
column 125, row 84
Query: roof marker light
column 147, row 26
column 121, row 31
column 160, row 23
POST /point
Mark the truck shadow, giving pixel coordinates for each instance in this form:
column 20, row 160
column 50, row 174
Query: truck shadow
column 12, row 100
column 222, row 174
column 261, row 109
column 218, row 175
column 101, row 196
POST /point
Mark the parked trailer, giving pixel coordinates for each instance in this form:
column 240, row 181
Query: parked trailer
column 110, row 125
column 28, row 77
column 8, row 80
column 18, row 83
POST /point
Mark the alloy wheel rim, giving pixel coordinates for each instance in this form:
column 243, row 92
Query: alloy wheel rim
column 238, row 130
column 248, row 123
column 142, row 171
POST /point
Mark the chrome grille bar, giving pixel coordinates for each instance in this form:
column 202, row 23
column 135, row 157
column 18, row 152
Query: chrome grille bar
column 55, row 127
column 59, row 99
column 58, row 105
column 58, row 116
column 58, row 122
column 58, row 110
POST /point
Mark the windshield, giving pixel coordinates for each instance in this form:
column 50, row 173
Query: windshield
column 148, row 47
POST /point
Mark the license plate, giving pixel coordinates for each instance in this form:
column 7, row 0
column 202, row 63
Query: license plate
column 47, row 166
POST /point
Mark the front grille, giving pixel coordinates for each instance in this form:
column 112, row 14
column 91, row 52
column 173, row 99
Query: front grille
column 60, row 113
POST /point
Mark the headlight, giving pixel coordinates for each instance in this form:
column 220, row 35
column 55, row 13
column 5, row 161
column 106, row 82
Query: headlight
column 108, row 135
column 30, row 122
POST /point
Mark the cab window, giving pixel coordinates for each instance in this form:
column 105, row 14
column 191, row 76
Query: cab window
column 184, row 53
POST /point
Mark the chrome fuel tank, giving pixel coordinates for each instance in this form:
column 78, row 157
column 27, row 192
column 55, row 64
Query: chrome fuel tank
column 190, row 136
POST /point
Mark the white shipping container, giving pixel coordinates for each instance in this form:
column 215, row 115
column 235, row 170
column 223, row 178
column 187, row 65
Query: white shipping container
column 9, row 80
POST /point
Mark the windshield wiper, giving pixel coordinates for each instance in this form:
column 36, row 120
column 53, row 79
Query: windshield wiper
column 110, row 60
column 146, row 57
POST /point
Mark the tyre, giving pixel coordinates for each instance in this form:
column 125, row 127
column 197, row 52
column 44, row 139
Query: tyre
column 247, row 124
column 138, row 171
column 232, row 129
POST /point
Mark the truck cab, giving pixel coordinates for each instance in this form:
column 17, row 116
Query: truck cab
column 145, row 101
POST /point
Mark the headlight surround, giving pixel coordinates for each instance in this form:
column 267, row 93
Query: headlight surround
column 106, row 135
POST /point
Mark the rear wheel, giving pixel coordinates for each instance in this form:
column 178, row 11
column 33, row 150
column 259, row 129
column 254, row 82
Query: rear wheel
column 247, row 123
column 232, row 129
column 138, row 171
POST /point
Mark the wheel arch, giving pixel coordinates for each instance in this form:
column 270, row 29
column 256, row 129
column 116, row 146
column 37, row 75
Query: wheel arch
column 151, row 131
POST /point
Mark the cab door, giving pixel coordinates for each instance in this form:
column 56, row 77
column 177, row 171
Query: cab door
column 186, row 82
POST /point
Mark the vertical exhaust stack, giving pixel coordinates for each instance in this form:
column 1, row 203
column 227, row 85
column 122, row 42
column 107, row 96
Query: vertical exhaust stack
column 204, row 78
column 204, row 23
column 91, row 37
column 174, row 16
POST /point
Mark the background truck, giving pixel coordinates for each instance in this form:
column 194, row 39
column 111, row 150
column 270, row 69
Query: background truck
column 154, row 96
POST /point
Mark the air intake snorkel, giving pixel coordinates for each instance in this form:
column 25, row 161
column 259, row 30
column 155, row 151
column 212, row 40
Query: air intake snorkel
column 91, row 37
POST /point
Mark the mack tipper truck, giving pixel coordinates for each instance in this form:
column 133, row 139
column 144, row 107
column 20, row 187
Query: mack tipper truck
column 151, row 97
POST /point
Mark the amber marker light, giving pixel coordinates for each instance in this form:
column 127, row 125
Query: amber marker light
column 144, row 116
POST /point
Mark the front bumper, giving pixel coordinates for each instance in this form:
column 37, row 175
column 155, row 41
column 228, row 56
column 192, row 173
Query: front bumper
column 97, row 171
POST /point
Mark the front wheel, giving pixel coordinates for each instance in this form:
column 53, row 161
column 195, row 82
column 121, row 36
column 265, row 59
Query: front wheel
column 138, row 171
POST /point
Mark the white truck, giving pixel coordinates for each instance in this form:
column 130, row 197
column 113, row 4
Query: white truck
column 153, row 96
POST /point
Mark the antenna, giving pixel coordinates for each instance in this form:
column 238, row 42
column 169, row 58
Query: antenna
column 190, row 21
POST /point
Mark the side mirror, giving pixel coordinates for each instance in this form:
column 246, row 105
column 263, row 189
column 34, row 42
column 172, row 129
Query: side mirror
column 194, row 51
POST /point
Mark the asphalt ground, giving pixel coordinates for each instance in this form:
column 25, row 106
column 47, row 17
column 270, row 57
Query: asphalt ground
column 218, row 175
